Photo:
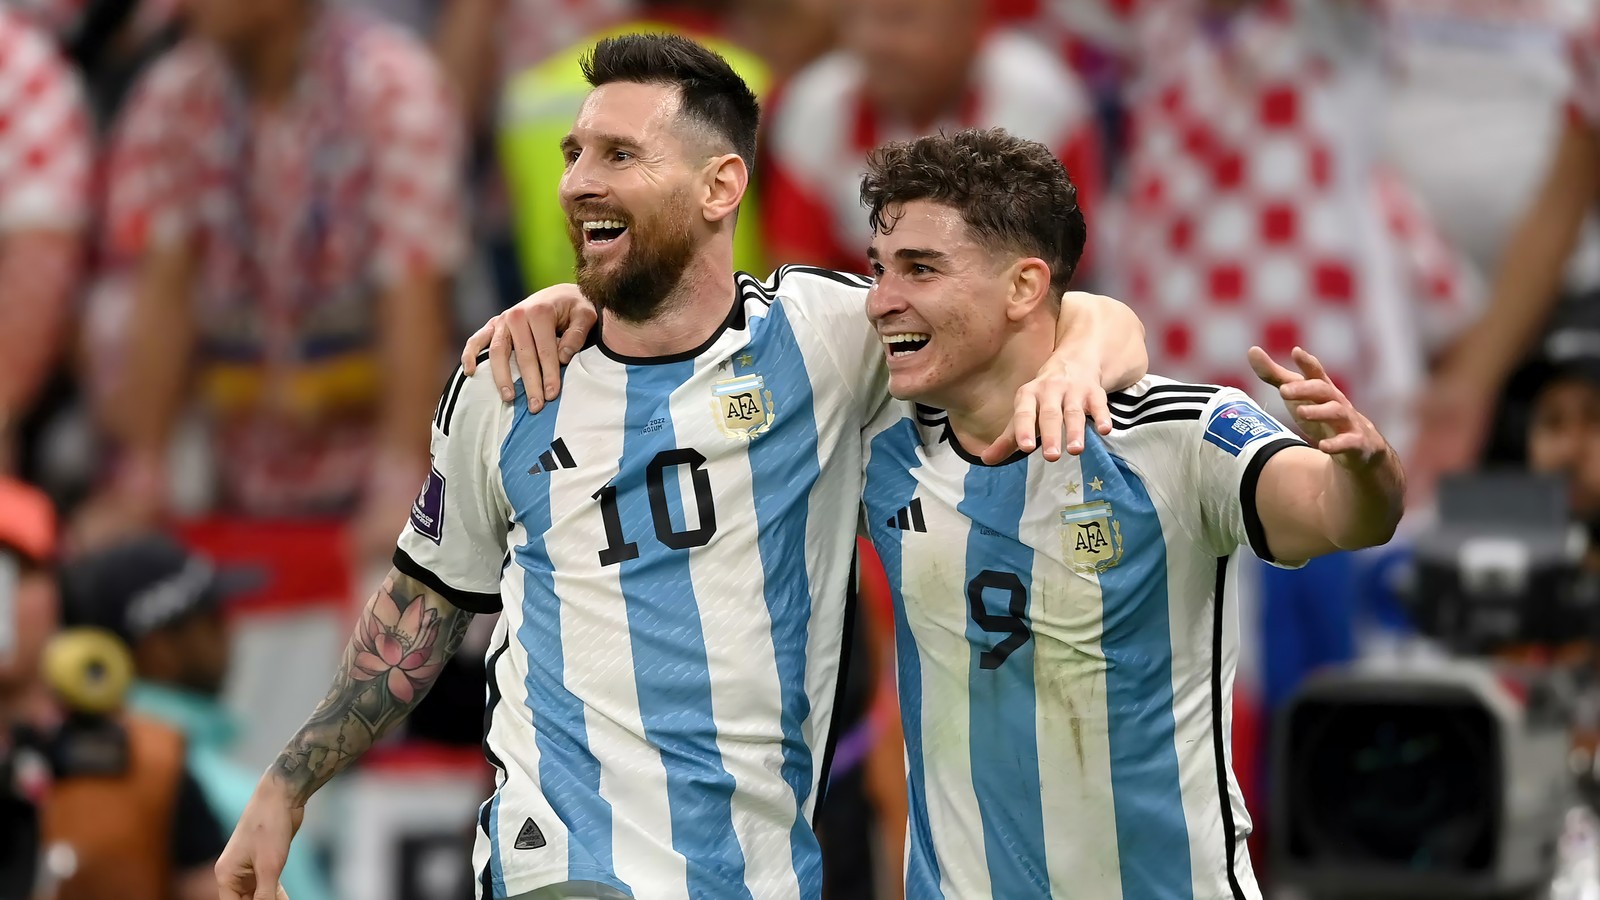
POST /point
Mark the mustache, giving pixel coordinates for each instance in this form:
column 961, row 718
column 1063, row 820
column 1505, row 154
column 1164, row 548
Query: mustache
column 589, row 212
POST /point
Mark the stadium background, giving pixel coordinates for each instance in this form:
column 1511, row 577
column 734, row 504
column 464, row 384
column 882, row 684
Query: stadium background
column 1343, row 174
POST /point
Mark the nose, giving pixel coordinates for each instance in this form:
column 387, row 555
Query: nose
column 885, row 299
column 579, row 182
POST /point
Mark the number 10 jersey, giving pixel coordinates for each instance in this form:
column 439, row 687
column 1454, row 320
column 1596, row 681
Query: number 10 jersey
column 672, row 540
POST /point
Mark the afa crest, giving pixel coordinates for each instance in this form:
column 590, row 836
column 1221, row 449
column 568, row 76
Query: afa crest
column 743, row 406
column 1091, row 536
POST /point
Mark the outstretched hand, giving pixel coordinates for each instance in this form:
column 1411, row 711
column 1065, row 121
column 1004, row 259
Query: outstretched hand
column 1329, row 420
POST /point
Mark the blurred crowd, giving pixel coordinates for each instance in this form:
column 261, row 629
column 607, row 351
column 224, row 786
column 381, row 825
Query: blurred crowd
column 241, row 240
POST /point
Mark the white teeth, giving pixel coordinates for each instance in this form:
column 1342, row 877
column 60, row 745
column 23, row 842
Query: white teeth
column 603, row 223
column 905, row 338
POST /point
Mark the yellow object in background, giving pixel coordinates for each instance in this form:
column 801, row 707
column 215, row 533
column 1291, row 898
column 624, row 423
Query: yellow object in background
column 89, row 669
column 539, row 108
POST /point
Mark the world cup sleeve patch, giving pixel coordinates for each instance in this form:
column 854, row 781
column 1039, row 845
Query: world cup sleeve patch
column 1237, row 424
column 427, row 514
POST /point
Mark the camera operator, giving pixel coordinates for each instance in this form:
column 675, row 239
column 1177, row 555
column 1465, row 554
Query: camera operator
column 120, row 816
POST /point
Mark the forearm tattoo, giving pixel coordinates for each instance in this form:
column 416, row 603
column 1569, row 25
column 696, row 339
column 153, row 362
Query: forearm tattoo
column 402, row 641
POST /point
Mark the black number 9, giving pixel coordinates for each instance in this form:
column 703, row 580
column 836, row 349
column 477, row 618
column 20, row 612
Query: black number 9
column 1011, row 624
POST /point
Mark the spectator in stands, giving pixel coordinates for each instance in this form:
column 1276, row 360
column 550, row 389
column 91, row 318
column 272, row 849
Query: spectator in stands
column 129, row 810
column 907, row 68
column 44, row 209
column 1461, row 398
column 284, row 193
column 1251, row 211
column 166, row 605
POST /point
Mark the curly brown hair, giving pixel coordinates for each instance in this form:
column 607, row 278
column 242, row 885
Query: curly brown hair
column 1013, row 193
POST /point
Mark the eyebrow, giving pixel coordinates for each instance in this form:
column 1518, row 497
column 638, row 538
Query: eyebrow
column 913, row 254
column 615, row 140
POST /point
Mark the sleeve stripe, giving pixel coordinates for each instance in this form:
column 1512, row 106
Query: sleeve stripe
column 1188, row 391
column 1186, row 414
column 471, row 601
column 1247, row 495
column 458, row 382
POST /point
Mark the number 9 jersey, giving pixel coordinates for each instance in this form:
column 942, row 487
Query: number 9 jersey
column 672, row 542
column 1066, row 641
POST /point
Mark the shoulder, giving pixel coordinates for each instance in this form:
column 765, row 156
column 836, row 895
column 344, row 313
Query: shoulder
column 806, row 290
column 471, row 403
column 1159, row 401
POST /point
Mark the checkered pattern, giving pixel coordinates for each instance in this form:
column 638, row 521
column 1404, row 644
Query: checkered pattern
column 302, row 216
column 1254, row 215
column 44, row 134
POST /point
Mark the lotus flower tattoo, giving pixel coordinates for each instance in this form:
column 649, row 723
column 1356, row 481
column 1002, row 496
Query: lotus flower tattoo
column 396, row 646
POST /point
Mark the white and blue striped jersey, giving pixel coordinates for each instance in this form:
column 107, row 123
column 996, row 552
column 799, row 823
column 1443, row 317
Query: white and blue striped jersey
column 1066, row 650
column 670, row 542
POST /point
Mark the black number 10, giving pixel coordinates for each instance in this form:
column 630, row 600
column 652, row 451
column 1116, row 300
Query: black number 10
column 1010, row 624
column 619, row 548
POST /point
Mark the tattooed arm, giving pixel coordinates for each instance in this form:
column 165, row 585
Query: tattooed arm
column 403, row 639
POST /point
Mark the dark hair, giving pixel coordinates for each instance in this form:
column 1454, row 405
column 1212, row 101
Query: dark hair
column 713, row 95
column 1012, row 193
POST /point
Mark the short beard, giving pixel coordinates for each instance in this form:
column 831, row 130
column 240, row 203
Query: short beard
column 642, row 281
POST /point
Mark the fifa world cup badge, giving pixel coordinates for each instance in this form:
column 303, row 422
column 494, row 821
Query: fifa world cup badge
column 1091, row 536
column 743, row 406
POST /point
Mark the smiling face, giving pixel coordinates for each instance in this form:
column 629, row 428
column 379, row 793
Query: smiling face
column 939, row 302
column 632, row 170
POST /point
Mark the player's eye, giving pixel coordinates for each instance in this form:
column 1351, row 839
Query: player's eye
column 920, row 269
column 570, row 155
column 877, row 270
column 620, row 156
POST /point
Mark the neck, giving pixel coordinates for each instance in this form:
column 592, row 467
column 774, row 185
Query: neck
column 271, row 61
column 980, row 406
column 694, row 310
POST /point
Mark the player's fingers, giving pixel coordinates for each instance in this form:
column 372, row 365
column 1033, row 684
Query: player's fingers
column 1002, row 448
column 1100, row 411
column 1331, row 413
column 1025, row 420
column 1343, row 442
column 1056, row 419
column 500, row 360
column 578, row 327
column 282, row 894
column 267, row 873
column 477, row 344
column 1308, row 391
column 542, row 332
column 1310, row 365
column 1267, row 369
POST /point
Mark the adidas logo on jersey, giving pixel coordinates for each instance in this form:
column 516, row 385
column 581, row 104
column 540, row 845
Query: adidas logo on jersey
column 530, row 837
column 555, row 458
column 909, row 518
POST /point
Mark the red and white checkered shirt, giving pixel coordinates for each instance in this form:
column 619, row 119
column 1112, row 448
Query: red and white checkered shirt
column 822, row 127
column 1254, row 211
column 536, row 29
column 302, row 215
column 45, row 139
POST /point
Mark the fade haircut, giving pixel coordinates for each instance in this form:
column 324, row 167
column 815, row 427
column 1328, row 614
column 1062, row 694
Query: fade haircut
column 713, row 96
column 1013, row 194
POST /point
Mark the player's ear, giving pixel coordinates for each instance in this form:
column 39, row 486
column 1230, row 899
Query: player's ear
column 1030, row 286
column 726, row 178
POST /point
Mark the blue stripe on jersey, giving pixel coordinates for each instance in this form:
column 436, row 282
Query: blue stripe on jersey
column 1136, row 638
column 671, row 670
column 569, row 774
column 890, row 486
column 783, row 467
column 1005, row 739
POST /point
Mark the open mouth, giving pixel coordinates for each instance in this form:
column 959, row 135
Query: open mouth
column 900, row 345
column 599, row 232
